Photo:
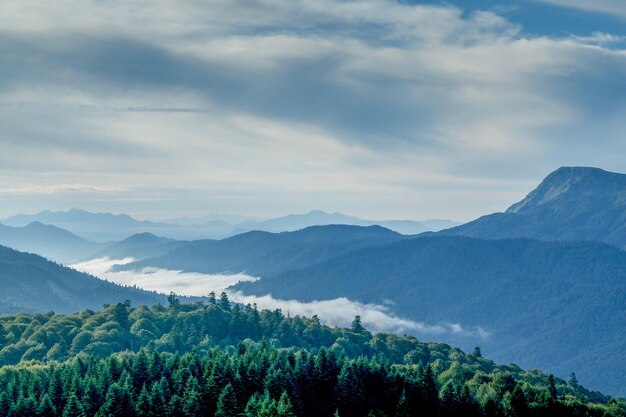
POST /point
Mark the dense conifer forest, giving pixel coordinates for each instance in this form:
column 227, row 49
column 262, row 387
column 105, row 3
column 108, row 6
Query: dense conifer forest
column 223, row 359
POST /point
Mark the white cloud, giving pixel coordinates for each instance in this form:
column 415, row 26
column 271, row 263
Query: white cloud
column 276, row 106
column 336, row 312
column 612, row 7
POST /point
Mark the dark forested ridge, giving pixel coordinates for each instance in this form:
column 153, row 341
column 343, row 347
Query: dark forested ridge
column 265, row 253
column 572, row 203
column 31, row 283
column 228, row 360
column 554, row 305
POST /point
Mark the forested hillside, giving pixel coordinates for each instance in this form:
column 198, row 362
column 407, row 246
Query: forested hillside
column 228, row 360
column 553, row 305
column 32, row 283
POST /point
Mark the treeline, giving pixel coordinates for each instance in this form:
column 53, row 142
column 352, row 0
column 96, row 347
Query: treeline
column 223, row 359
column 253, row 380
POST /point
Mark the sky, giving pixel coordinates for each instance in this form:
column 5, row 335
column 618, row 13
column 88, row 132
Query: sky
column 376, row 108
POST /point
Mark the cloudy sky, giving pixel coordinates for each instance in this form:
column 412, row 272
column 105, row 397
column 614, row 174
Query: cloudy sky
column 378, row 108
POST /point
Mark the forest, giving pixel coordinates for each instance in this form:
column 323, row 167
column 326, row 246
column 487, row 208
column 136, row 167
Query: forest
column 223, row 359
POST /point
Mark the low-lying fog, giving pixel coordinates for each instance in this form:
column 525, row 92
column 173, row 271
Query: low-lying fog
column 336, row 312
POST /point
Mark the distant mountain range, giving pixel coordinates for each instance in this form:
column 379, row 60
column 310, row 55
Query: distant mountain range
column 31, row 283
column 104, row 227
column 49, row 241
column 294, row 222
column 572, row 203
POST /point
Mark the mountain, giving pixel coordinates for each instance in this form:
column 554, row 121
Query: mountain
column 115, row 227
column 32, row 283
column 226, row 218
column 263, row 253
column 572, row 203
column 554, row 305
column 138, row 246
column 104, row 227
column 49, row 241
column 292, row 222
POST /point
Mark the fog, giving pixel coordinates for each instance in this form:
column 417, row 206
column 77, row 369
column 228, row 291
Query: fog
column 336, row 312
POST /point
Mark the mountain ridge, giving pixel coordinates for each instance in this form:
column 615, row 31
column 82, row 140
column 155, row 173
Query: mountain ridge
column 571, row 203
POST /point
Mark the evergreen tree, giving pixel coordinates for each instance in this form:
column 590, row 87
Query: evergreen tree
column 356, row 326
column 24, row 407
column 350, row 393
column 143, row 403
column 224, row 302
column 191, row 399
column 73, row 407
column 212, row 300
column 227, row 403
column 117, row 403
column 403, row 410
column 285, row 408
column 46, row 408
column 5, row 404
column 476, row 353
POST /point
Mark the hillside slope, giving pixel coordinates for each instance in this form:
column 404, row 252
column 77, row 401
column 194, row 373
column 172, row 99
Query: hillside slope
column 555, row 305
column 49, row 241
column 32, row 283
column 138, row 246
column 264, row 253
column 572, row 203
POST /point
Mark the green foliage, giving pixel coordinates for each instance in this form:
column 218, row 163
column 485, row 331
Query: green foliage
column 228, row 360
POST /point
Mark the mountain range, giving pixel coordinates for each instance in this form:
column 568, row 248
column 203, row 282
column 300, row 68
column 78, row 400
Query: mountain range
column 105, row 227
column 546, row 279
column 263, row 253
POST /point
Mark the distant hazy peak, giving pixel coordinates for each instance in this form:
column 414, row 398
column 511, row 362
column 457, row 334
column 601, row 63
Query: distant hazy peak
column 574, row 181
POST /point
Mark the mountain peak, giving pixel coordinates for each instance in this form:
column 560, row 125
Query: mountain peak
column 571, row 183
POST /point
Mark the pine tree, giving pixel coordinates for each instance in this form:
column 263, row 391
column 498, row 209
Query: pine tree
column 142, row 405
column 5, row 404
column 227, row 403
column 285, row 408
column 349, row 392
column 253, row 406
column 24, row 407
column 191, row 399
column 73, row 408
column 92, row 397
column 117, row 402
column 356, row 326
column 45, row 409
column 224, row 302
column 403, row 410
column 140, row 373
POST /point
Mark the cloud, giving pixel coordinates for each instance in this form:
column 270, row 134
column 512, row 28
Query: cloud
column 336, row 312
column 277, row 106
column 612, row 7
